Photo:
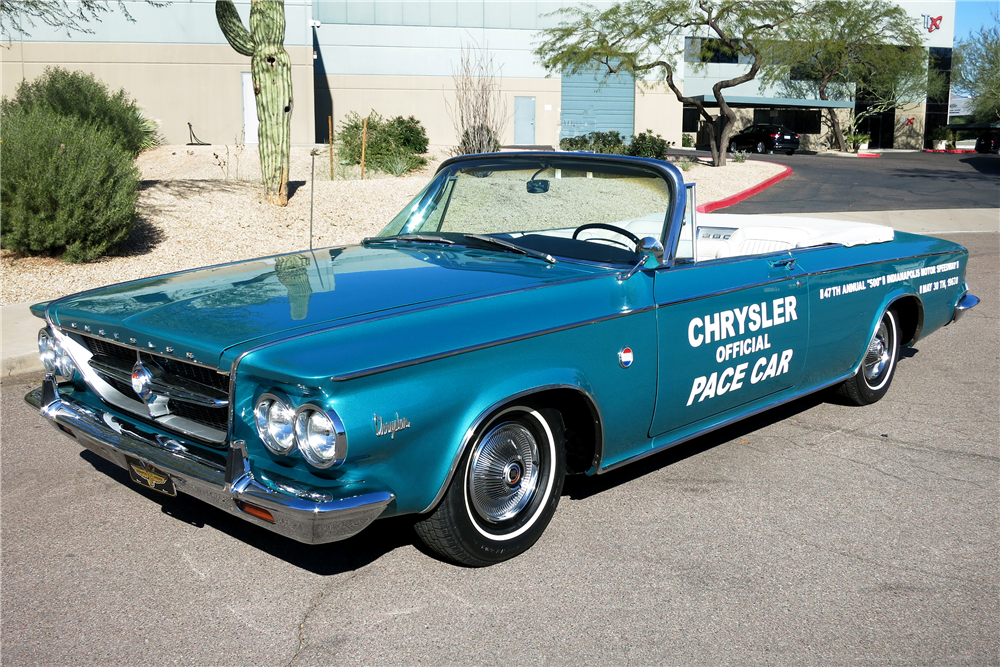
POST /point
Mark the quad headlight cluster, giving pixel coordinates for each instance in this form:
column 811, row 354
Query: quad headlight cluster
column 319, row 434
column 53, row 356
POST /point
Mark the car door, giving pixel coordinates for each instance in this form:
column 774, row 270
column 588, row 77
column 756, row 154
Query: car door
column 730, row 332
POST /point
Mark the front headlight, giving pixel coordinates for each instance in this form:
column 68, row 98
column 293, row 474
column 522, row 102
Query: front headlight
column 274, row 424
column 54, row 358
column 320, row 436
column 47, row 350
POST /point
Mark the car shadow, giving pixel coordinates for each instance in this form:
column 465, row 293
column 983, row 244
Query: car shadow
column 378, row 539
column 983, row 163
column 387, row 535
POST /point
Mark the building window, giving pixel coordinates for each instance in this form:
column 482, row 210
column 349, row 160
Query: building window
column 707, row 50
column 691, row 120
column 802, row 121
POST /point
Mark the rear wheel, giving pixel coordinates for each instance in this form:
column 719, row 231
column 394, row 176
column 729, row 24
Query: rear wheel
column 874, row 376
column 790, row 152
column 760, row 147
column 505, row 489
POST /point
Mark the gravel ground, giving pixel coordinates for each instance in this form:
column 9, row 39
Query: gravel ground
column 203, row 205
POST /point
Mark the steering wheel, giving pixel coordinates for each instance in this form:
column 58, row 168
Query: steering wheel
column 617, row 230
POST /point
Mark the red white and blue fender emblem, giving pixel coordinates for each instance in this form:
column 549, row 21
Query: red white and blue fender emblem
column 625, row 357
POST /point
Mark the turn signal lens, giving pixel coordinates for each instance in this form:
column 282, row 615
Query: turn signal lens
column 320, row 436
column 256, row 511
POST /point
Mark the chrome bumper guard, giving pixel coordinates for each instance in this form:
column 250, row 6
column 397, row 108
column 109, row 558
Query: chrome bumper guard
column 967, row 302
column 221, row 485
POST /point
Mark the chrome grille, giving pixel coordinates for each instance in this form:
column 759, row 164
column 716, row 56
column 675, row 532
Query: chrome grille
column 196, row 396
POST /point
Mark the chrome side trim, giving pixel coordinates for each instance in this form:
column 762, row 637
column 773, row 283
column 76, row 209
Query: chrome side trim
column 474, row 427
column 482, row 346
column 722, row 424
column 965, row 303
column 222, row 485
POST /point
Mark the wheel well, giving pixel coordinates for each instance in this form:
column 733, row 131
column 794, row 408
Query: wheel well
column 911, row 318
column 583, row 426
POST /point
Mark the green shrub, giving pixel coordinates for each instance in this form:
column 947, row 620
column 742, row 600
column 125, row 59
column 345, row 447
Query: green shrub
column 388, row 142
column 644, row 144
column 740, row 156
column 687, row 141
column 609, row 143
column 649, row 144
column 66, row 188
column 409, row 133
column 79, row 95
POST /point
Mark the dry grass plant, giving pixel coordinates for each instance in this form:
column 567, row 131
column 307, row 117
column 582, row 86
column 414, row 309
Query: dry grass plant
column 480, row 111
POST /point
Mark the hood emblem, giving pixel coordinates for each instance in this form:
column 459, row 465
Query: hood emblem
column 143, row 380
column 390, row 427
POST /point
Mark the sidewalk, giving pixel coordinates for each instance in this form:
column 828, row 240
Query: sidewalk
column 19, row 352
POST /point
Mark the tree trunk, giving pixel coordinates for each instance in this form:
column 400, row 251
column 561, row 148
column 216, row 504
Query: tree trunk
column 271, row 69
column 838, row 133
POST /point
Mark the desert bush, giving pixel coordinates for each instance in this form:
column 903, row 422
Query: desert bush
column 686, row 164
column 81, row 96
column 478, row 139
column 409, row 133
column 740, row 156
column 384, row 146
column 649, row 144
column 644, row 144
column 66, row 188
column 609, row 143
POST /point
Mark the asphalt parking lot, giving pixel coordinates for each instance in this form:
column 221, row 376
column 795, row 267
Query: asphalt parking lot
column 812, row 534
column 895, row 181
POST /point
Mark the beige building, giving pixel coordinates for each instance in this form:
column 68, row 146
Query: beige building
column 397, row 57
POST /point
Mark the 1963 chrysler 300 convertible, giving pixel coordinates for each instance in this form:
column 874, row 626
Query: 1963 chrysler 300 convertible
column 526, row 317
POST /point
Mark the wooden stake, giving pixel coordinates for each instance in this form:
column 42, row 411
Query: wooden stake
column 364, row 140
column 330, row 120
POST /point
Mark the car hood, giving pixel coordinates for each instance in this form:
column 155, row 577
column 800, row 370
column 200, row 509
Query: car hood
column 199, row 314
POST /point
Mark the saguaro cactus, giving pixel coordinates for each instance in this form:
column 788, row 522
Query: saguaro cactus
column 272, row 84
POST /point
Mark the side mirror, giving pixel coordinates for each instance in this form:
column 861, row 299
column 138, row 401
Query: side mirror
column 651, row 246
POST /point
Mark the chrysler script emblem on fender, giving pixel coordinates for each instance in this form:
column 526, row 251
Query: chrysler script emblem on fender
column 390, row 427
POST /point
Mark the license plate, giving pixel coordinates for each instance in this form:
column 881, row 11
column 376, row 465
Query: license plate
column 149, row 476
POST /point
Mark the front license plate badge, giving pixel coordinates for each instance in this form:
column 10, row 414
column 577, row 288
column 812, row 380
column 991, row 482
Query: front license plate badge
column 149, row 476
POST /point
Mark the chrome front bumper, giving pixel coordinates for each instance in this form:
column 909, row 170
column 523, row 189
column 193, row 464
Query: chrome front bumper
column 223, row 484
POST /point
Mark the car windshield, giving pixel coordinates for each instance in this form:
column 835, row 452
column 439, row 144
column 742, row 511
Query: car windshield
column 589, row 210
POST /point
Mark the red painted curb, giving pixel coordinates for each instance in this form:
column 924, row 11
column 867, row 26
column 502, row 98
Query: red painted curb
column 746, row 194
column 869, row 155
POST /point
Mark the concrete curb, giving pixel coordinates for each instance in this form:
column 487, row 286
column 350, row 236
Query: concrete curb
column 746, row 194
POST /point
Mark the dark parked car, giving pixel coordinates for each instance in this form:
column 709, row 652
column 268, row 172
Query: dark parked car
column 764, row 139
column 988, row 142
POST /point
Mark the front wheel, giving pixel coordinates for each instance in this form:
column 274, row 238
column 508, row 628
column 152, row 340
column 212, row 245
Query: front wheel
column 872, row 380
column 505, row 489
column 790, row 152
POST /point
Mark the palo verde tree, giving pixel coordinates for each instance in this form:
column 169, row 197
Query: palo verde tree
column 272, row 84
column 649, row 38
column 976, row 71
column 17, row 15
column 852, row 49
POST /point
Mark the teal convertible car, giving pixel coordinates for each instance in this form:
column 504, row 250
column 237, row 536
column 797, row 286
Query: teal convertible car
column 528, row 316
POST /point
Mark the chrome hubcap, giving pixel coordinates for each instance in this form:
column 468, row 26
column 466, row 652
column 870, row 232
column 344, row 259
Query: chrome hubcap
column 878, row 354
column 503, row 473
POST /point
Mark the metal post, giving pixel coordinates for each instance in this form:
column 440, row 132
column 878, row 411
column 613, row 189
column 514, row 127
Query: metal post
column 312, row 195
column 364, row 140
